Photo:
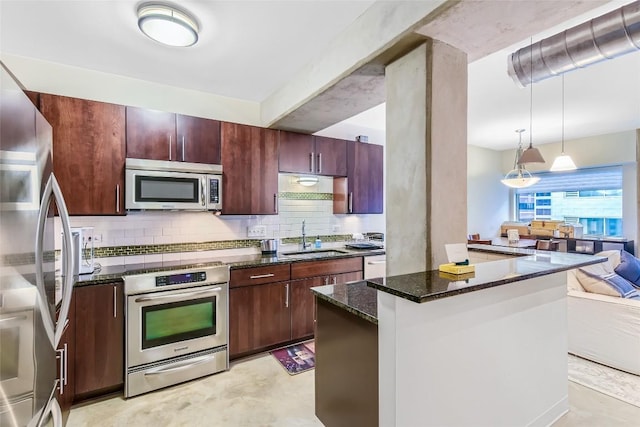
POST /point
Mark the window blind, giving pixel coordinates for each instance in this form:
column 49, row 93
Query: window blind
column 604, row 178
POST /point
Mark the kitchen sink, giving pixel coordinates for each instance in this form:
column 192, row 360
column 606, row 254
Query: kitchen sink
column 315, row 253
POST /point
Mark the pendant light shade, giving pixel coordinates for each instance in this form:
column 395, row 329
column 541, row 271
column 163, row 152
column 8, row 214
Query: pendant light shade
column 167, row 25
column 519, row 176
column 563, row 162
column 531, row 155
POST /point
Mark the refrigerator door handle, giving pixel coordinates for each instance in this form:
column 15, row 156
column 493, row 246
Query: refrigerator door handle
column 52, row 189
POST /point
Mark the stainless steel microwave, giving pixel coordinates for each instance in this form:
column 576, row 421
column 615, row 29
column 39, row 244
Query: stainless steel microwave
column 166, row 185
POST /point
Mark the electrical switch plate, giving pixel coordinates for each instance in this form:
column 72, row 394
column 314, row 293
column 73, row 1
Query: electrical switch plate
column 336, row 228
column 257, row 231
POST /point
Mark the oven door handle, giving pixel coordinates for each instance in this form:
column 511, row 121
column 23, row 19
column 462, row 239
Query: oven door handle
column 180, row 295
column 179, row 366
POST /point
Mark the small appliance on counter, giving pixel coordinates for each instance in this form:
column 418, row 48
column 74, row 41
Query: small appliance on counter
column 82, row 240
column 269, row 246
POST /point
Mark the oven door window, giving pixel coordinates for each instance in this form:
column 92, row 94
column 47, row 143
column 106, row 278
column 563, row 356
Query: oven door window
column 167, row 189
column 178, row 321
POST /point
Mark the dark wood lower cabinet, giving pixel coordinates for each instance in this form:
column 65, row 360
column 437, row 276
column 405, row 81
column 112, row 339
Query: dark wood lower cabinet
column 99, row 330
column 259, row 317
column 302, row 307
column 346, row 373
column 65, row 354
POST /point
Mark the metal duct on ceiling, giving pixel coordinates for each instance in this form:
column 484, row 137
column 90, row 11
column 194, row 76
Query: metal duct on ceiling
column 605, row 37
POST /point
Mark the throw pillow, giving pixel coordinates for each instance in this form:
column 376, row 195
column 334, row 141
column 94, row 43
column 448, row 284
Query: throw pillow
column 612, row 255
column 608, row 284
column 629, row 268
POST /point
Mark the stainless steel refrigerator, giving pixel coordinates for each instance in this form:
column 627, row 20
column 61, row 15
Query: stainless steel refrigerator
column 34, row 296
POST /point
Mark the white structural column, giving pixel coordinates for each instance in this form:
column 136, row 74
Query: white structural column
column 426, row 156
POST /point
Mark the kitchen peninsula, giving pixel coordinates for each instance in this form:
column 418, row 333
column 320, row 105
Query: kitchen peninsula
column 493, row 342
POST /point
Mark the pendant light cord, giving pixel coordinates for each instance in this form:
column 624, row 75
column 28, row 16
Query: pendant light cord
column 531, row 92
column 562, row 114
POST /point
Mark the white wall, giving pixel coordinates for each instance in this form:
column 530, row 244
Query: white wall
column 487, row 198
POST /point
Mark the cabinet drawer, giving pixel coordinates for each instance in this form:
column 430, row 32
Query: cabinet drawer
column 259, row 275
column 301, row 270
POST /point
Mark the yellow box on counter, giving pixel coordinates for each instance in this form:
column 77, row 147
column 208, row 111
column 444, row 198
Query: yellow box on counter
column 463, row 276
column 551, row 224
column 457, row 269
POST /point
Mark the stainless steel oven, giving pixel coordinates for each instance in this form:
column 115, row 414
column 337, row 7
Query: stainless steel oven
column 176, row 327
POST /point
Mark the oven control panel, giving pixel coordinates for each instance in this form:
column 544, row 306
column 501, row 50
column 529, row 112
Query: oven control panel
column 178, row 279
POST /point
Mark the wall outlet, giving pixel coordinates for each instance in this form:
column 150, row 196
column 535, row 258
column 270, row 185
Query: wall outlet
column 97, row 238
column 336, row 228
column 257, row 231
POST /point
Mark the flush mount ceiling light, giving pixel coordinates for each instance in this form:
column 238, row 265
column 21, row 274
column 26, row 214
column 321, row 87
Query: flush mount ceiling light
column 167, row 25
column 563, row 162
column 307, row 181
column 519, row 176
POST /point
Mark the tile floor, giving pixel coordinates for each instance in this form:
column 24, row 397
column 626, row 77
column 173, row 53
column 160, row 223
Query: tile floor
column 258, row 392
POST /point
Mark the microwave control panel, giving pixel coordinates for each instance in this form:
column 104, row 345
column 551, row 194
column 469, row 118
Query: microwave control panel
column 214, row 191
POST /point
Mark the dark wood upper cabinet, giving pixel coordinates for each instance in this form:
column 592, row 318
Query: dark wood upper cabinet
column 198, row 139
column 151, row 134
column 88, row 153
column 361, row 191
column 318, row 155
column 296, row 153
column 331, row 156
column 99, row 352
column 159, row 135
column 250, row 167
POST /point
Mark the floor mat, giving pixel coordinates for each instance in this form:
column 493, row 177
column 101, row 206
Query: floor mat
column 296, row 358
column 606, row 380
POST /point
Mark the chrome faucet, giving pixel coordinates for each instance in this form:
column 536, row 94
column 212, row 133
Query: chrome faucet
column 305, row 245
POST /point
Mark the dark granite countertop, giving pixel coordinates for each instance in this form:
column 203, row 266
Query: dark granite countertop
column 110, row 274
column 431, row 285
column 355, row 297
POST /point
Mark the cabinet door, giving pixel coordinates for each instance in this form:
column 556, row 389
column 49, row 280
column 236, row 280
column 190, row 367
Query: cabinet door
column 361, row 192
column 366, row 178
column 296, row 153
column 250, row 167
column 331, row 156
column 303, row 307
column 259, row 316
column 198, row 140
column 65, row 357
column 88, row 153
column 99, row 361
column 151, row 134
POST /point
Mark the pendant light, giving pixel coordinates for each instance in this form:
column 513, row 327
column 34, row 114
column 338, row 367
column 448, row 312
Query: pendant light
column 531, row 154
column 563, row 162
column 519, row 176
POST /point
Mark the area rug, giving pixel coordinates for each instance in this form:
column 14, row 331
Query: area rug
column 606, row 380
column 296, row 358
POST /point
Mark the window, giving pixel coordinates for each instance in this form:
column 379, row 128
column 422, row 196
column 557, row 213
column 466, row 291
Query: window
column 591, row 197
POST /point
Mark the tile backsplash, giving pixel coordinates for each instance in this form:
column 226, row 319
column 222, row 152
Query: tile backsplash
column 295, row 204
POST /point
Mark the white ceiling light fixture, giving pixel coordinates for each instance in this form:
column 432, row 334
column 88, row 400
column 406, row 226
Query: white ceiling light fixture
column 519, row 176
column 307, row 181
column 563, row 162
column 167, row 25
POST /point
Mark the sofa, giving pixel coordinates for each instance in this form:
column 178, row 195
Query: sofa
column 603, row 328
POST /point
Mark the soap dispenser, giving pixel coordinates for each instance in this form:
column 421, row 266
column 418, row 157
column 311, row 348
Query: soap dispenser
column 318, row 242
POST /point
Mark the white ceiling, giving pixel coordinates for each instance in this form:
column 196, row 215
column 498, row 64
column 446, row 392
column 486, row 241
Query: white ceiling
column 249, row 49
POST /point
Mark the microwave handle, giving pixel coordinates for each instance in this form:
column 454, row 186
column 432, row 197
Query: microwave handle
column 203, row 199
